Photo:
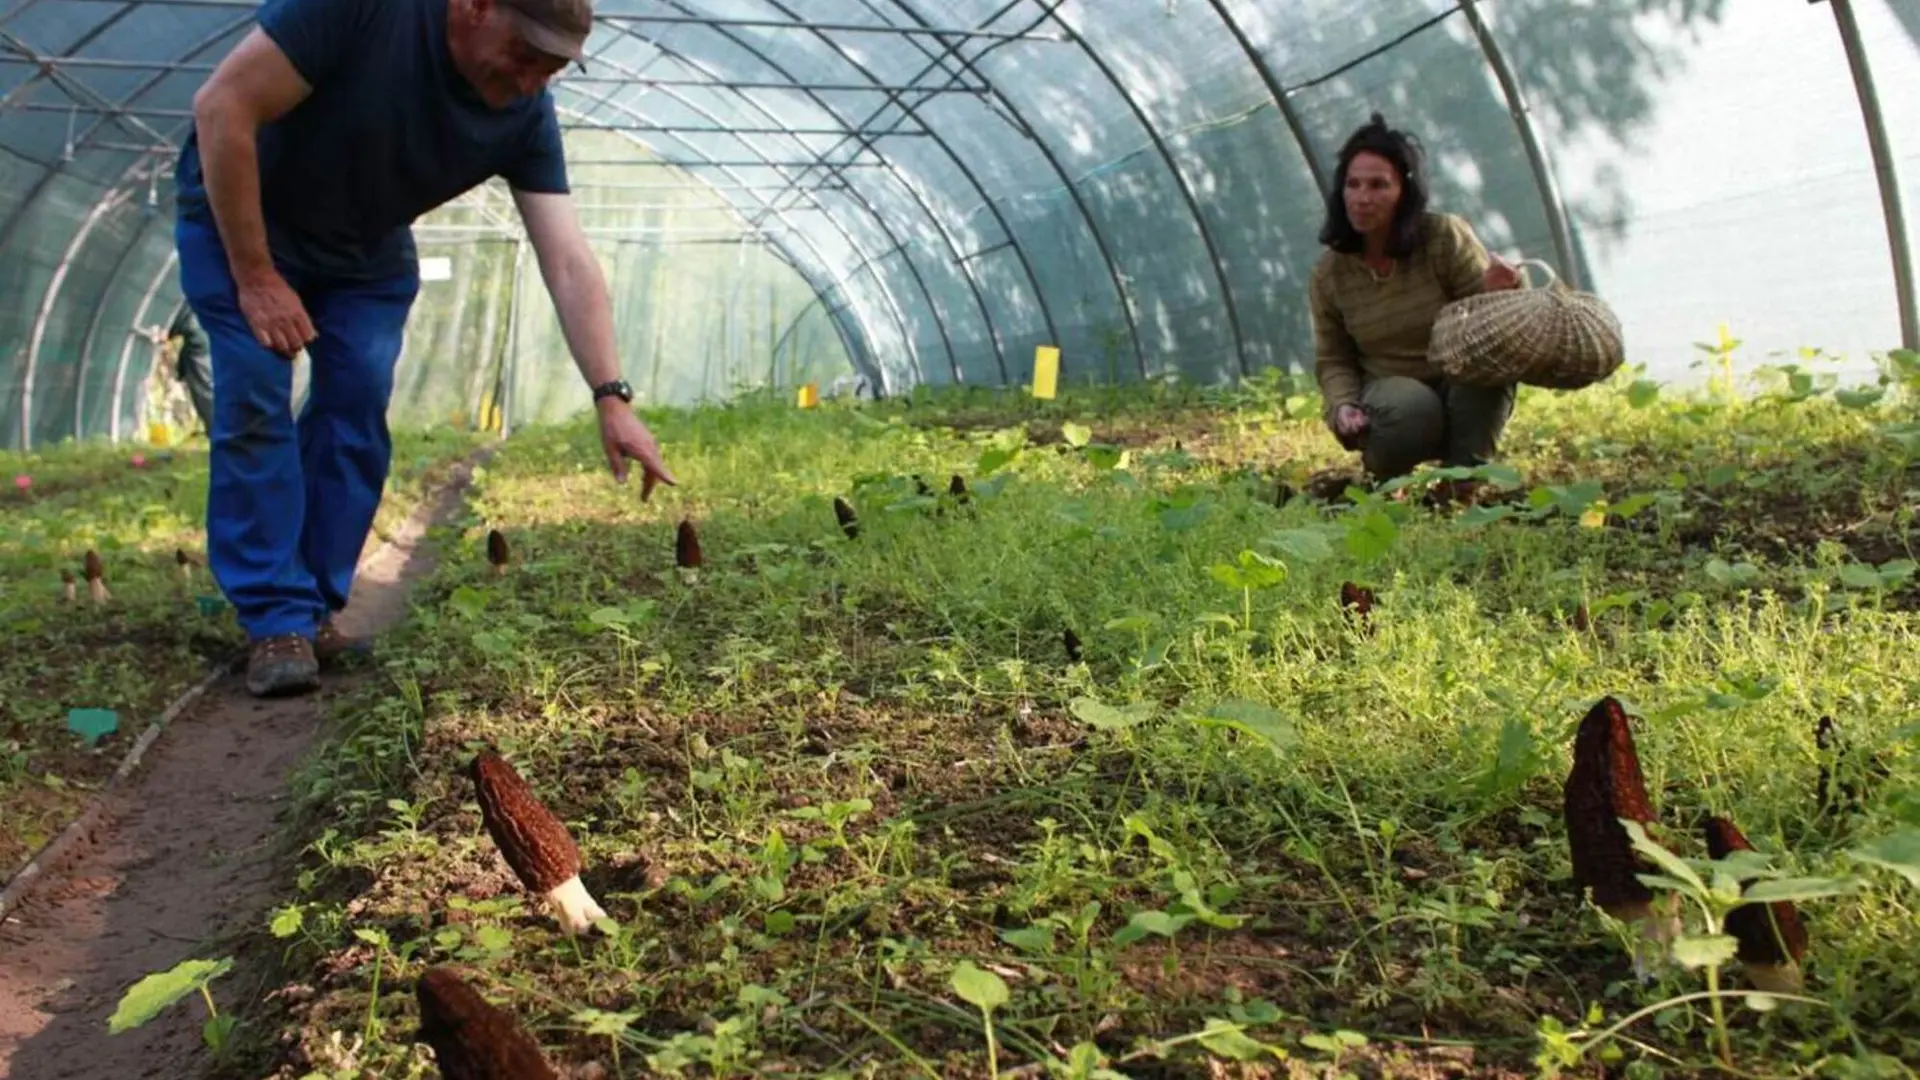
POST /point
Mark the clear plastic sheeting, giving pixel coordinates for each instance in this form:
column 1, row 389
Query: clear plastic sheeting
column 906, row 192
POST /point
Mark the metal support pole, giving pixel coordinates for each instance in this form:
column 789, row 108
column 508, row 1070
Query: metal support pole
column 93, row 331
column 1020, row 124
column 1884, row 170
column 133, row 335
column 769, row 205
column 1550, row 200
column 1186, row 194
column 38, row 336
column 832, row 220
column 968, row 272
column 856, row 28
column 1279, row 93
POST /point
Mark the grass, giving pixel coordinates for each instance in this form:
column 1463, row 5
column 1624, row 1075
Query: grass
column 856, row 812
column 148, row 644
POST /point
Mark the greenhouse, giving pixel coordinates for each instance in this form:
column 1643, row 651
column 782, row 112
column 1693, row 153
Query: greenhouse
column 1125, row 588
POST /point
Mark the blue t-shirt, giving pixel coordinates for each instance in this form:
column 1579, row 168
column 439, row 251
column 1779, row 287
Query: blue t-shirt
column 390, row 131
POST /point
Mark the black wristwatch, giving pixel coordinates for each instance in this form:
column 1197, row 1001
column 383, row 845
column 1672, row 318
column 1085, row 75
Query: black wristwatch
column 617, row 388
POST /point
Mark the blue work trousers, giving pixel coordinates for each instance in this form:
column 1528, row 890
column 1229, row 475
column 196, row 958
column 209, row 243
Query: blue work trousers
column 290, row 503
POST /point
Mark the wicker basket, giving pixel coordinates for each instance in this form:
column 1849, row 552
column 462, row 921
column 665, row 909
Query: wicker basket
column 1556, row 337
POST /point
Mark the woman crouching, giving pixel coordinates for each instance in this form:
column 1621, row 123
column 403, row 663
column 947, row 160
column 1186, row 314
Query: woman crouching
column 1390, row 266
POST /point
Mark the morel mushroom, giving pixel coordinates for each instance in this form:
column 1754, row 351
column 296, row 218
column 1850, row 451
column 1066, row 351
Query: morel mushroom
column 1771, row 938
column 473, row 1039
column 1357, row 600
column 67, row 585
column 1604, row 786
column 957, row 487
column 185, row 562
column 1838, row 787
column 686, row 551
column 849, row 522
column 96, row 577
column 533, row 840
column 497, row 551
column 1072, row 642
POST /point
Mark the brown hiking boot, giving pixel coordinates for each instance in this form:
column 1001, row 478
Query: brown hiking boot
column 331, row 647
column 281, row 665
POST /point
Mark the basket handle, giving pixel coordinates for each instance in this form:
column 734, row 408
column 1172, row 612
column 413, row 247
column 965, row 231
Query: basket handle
column 1545, row 267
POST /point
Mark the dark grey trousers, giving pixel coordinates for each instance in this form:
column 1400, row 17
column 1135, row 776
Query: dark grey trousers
column 1410, row 422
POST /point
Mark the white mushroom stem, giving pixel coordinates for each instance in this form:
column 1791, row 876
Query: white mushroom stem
column 1776, row 978
column 574, row 905
column 69, row 588
column 689, row 575
column 1657, row 924
column 98, row 587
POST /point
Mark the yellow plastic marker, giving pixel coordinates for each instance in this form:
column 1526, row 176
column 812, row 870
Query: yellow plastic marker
column 809, row 395
column 1046, row 371
column 158, row 433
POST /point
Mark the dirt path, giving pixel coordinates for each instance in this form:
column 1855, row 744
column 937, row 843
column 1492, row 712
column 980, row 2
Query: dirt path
column 181, row 857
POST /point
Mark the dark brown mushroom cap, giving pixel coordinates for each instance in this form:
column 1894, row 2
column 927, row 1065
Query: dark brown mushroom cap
column 849, row 522
column 180, row 556
column 957, row 487
column 496, row 547
column 1358, row 598
column 532, row 839
column 471, row 1038
column 66, row 575
column 686, row 546
column 1749, row 923
column 93, row 566
column 1605, row 784
column 1072, row 642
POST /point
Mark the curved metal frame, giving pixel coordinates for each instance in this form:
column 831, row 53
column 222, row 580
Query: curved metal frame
column 886, row 293
column 1279, row 95
column 1550, row 201
column 622, row 107
column 101, row 208
column 1186, row 190
column 940, row 323
column 964, row 262
column 1885, row 170
column 93, row 328
column 20, row 212
column 126, row 349
column 1121, row 296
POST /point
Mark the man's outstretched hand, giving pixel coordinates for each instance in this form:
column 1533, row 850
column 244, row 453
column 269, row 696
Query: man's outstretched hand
column 623, row 436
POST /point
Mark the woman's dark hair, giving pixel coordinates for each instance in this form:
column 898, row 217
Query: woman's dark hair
column 1409, row 218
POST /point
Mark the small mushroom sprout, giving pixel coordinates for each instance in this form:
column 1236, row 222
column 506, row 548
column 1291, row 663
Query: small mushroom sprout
column 1772, row 939
column 1604, row 786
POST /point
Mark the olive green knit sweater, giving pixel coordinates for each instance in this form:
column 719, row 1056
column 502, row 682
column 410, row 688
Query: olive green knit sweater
column 1381, row 327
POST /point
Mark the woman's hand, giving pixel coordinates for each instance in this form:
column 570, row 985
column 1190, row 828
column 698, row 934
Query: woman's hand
column 1500, row 276
column 1349, row 423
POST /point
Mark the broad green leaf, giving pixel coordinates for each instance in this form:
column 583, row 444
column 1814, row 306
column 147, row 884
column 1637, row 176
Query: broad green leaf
column 1899, row 853
column 1306, row 545
column 1474, row 516
column 1667, row 860
column 1260, row 721
column 1077, row 435
column 1798, row 889
column 1098, row 714
column 1037, row 939
column 1224, row 1037
column 1643, row 393
column 1371, row 536
column 147, row 998
column 467, row 601
column 1859, row 576
column 287, row 921
column 1698, row 952
column 1860, row 397
column 979, row 987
